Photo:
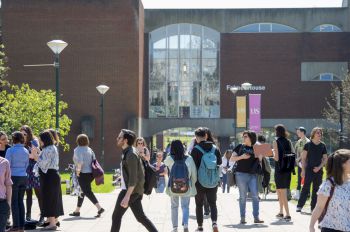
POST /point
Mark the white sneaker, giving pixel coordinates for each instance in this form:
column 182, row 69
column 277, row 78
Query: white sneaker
column 174, row 230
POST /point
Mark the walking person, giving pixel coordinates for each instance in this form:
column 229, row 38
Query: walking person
column 4, row 144
column 142, row 149
column 299, row 147
column 50, row 181
column 282, row 146
column 313, row 158
column 82, row 158
column 161, row 172
column 33, row 182
column 246, row 176
column 18, row 158
column 181, row 186
column 132, row 179
column 207, row 158
column 226, row 171
column 334, row 195
column 5, row 192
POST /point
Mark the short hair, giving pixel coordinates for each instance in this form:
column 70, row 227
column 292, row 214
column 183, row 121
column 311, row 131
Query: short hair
column 335, row 163
column 177, row 150
column 46, row 138
column 261, row 139
column 251, row 135
column 17, row 137
column 29, row 133
column 129, row 135
column 200, row 132
column 281, row 131
column 55, row 136
column 83, row 140
column 314, row 130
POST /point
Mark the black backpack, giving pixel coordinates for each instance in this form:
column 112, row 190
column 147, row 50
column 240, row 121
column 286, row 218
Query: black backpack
column 287, row 164
column 150, row 178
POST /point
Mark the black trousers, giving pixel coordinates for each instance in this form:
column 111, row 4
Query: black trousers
column 310, row 178
column 210, row 193
column 329, row 230
column 85, row 180
column 136, row 207
column 299, row 179
column 29, row 200
column 4, row 214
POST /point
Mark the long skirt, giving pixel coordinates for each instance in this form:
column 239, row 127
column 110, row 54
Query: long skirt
column 50, row 183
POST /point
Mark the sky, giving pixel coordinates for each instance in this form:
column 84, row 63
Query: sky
column 202, row 4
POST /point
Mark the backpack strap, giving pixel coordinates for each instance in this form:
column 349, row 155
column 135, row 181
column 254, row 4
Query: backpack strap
column 200, row 149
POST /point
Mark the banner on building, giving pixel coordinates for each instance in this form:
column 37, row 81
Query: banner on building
column 241, row 109
column 255, row 112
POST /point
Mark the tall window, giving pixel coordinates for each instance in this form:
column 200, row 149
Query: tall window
column 183, row 70
column 326, row 28
column 264, row 27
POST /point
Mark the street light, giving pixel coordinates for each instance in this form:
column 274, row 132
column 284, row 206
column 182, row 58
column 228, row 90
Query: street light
column 102, row 89
column 57, row 47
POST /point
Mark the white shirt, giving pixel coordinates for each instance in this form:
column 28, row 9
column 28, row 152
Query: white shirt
column 226, row 163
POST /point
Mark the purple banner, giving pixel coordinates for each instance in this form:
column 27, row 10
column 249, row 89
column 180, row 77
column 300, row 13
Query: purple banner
column 255, row 112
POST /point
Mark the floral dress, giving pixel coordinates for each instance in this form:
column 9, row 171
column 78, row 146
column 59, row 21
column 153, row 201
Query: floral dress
column 32, row 180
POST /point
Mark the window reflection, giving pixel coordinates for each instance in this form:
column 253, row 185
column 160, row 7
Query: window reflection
column 184, row 77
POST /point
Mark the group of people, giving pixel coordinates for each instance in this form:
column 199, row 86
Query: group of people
column 204, row 165
column 31, row 164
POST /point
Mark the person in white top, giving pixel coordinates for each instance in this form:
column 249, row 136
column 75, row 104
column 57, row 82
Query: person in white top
column 334, row 195
column 226, row 171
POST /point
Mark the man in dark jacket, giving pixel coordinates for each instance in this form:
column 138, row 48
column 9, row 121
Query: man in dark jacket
column 211, row 193
column 133, row 179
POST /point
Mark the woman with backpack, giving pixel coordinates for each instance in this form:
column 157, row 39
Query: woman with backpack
column 333, row 202
column 181, row 185
column 281, row 147
column 246, row 176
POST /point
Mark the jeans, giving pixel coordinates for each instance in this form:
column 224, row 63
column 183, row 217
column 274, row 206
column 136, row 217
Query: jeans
column 210, row 193
column 4, row 214
column 185, row 205
column 160, row 185
column 316, row 180
column 136, row 208
column 245, row 180
column 225, row 183
column 17, row 204
column 85, row 180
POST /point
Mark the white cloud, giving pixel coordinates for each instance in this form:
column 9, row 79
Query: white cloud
column 217, row 4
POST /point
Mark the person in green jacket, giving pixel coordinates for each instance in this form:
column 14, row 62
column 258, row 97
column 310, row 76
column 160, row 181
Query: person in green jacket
column 181, row 183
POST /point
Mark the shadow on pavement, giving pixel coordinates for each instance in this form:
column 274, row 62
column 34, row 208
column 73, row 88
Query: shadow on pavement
column 281, row 222
column 79, row 218
column 240, row 226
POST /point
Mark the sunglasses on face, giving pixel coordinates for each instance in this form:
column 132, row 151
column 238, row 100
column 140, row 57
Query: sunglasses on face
column 245, row 136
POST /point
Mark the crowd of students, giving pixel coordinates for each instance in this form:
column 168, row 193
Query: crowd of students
column 183, row 173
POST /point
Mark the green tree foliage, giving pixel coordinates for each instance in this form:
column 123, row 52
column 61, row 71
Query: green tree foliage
column 3, row 66
column 21, row 105
column 331, row 111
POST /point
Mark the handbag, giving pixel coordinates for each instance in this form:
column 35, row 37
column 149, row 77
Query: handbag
column 323, row 214
column 97, row 171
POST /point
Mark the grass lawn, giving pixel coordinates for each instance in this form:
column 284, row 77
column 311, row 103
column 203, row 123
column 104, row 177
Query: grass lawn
column 105, row 188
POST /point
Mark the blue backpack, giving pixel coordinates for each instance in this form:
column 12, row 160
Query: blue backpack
column 178, row 178
column 208, row 172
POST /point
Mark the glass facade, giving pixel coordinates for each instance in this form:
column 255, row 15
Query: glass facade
column 184, row 79
column 326, row 28
column 265, row 28
column 326, row 77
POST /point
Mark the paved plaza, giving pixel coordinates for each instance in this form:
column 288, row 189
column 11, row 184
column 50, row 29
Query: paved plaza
column 157, row 207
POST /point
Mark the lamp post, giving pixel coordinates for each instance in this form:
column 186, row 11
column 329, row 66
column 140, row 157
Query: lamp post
column 340, row 108
column 102, row 89
column 57, row 47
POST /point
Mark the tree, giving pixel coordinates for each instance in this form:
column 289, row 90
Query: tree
column 3, row 67
column 21, row 105
column 331, row 111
